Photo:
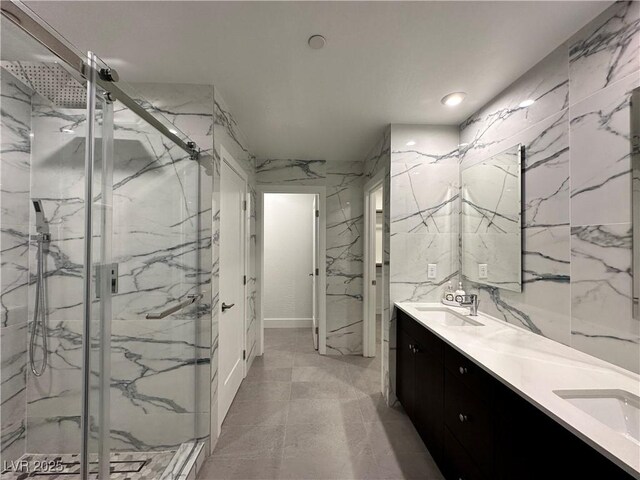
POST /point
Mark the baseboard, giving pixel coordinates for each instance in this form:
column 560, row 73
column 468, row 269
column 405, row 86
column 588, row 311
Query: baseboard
column 288, row 322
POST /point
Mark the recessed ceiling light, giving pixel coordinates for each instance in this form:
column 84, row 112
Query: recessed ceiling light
column 67, row 130
column 411, row 143
column 316, row 42
column 527, row 103
column 453, row 99
column 175, row 132
column 32, row 135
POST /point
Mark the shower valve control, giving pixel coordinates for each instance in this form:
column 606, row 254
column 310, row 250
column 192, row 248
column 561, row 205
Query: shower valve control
column 108, row 272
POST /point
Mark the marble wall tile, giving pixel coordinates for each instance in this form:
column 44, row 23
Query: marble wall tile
column 344, row 259
column 425, row 197
column 13, row 369
column 162, row 241
column 601, row 285
column 605, row 51
column 576, row 178
column 15, row 162
column 294, row 171
column 15, row 149
column 601, row 155
column 547, row 83
column 14, row 278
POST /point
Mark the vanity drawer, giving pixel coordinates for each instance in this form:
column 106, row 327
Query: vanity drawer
column 470, row 374
column 470, row 420
column 458, row 464
column 427, row 342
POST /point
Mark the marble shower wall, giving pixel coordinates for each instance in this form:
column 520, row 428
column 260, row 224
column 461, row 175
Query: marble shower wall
column 577, row 183
column 344, row 239
column 15, row 159
column 227, row 134
column 161, row 234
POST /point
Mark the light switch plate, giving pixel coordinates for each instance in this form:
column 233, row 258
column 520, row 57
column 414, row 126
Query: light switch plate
column 483, row 270
column 432, row 270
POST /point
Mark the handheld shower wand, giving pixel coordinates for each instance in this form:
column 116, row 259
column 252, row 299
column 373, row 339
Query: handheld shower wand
column 39, row 320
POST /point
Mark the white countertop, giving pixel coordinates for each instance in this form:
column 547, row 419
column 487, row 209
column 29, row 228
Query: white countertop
column 534, row 366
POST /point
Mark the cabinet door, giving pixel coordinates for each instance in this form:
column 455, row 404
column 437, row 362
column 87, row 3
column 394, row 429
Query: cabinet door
column 429, row 394
column 405, row 372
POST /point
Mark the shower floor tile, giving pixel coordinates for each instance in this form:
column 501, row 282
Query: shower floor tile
column 124, row 466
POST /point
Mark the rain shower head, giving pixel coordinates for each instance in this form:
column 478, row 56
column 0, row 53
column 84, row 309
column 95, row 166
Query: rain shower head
column 42, row 226
column 51, row 81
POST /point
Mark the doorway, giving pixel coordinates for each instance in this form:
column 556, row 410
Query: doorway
column 232, row 314
column 292, row 267
column 374, row 271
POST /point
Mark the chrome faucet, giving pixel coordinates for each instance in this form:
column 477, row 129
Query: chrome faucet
column 472, row 302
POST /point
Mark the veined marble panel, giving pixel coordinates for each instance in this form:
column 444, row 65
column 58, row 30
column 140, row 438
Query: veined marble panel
column 547, row 83
column 425, row 197
column 380, row 156
column 15, row 150
column 344, row 237
column 601, row 290
column 411, row 254
column 13, row 368
column 491, row 199
column 499, row 251
column 14, row 277
column 291, row 171
column 543, row 306
column 188, row 107
column 605, row 51
column 601, row 156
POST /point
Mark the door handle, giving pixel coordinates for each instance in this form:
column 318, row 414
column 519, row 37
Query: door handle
column 227, row 307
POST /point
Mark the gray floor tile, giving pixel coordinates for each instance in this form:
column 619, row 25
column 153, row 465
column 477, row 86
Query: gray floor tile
column 257, row 413
column 321, row 373
column 218, row 468
column 325, row 439
column 250, row 441
column 329, row 411
column 264, row 392
column 274, row 359
column 337, row 467
column 321, row 390
column 261, row 374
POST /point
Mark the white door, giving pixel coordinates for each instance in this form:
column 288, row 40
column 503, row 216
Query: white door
column 315, row 270
column 231, row 314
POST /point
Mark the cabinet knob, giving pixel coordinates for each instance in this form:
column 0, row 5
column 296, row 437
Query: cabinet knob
column 463, row 418
column 463, row 370
column 410, row 348
column 416, row 349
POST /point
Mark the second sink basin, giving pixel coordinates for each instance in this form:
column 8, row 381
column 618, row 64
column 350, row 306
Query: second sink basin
column 618, row 409
column 448, row 318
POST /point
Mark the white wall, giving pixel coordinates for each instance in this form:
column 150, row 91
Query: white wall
column 288, row 250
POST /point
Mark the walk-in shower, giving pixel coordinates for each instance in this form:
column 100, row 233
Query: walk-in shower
column 104, row 364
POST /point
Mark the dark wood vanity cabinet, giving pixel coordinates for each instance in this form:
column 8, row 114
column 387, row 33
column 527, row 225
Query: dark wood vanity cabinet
column 475, row 427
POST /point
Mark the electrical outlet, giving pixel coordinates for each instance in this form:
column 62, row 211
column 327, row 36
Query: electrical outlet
column 432, row 270
column 483, row 270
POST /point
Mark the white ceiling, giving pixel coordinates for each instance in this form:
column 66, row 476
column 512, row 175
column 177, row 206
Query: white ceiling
column 384, row 62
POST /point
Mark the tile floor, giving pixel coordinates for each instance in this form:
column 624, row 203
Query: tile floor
column 300, row 415
column 124, row 466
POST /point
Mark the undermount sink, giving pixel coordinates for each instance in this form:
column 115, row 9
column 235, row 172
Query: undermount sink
column 448, row 318
column 618, row 409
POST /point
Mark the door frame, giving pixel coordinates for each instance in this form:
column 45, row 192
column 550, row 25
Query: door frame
column 369, row 303
column 321, row 191
column 225, row 156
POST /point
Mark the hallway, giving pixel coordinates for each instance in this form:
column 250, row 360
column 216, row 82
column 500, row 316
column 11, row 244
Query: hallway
column 299, row 415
